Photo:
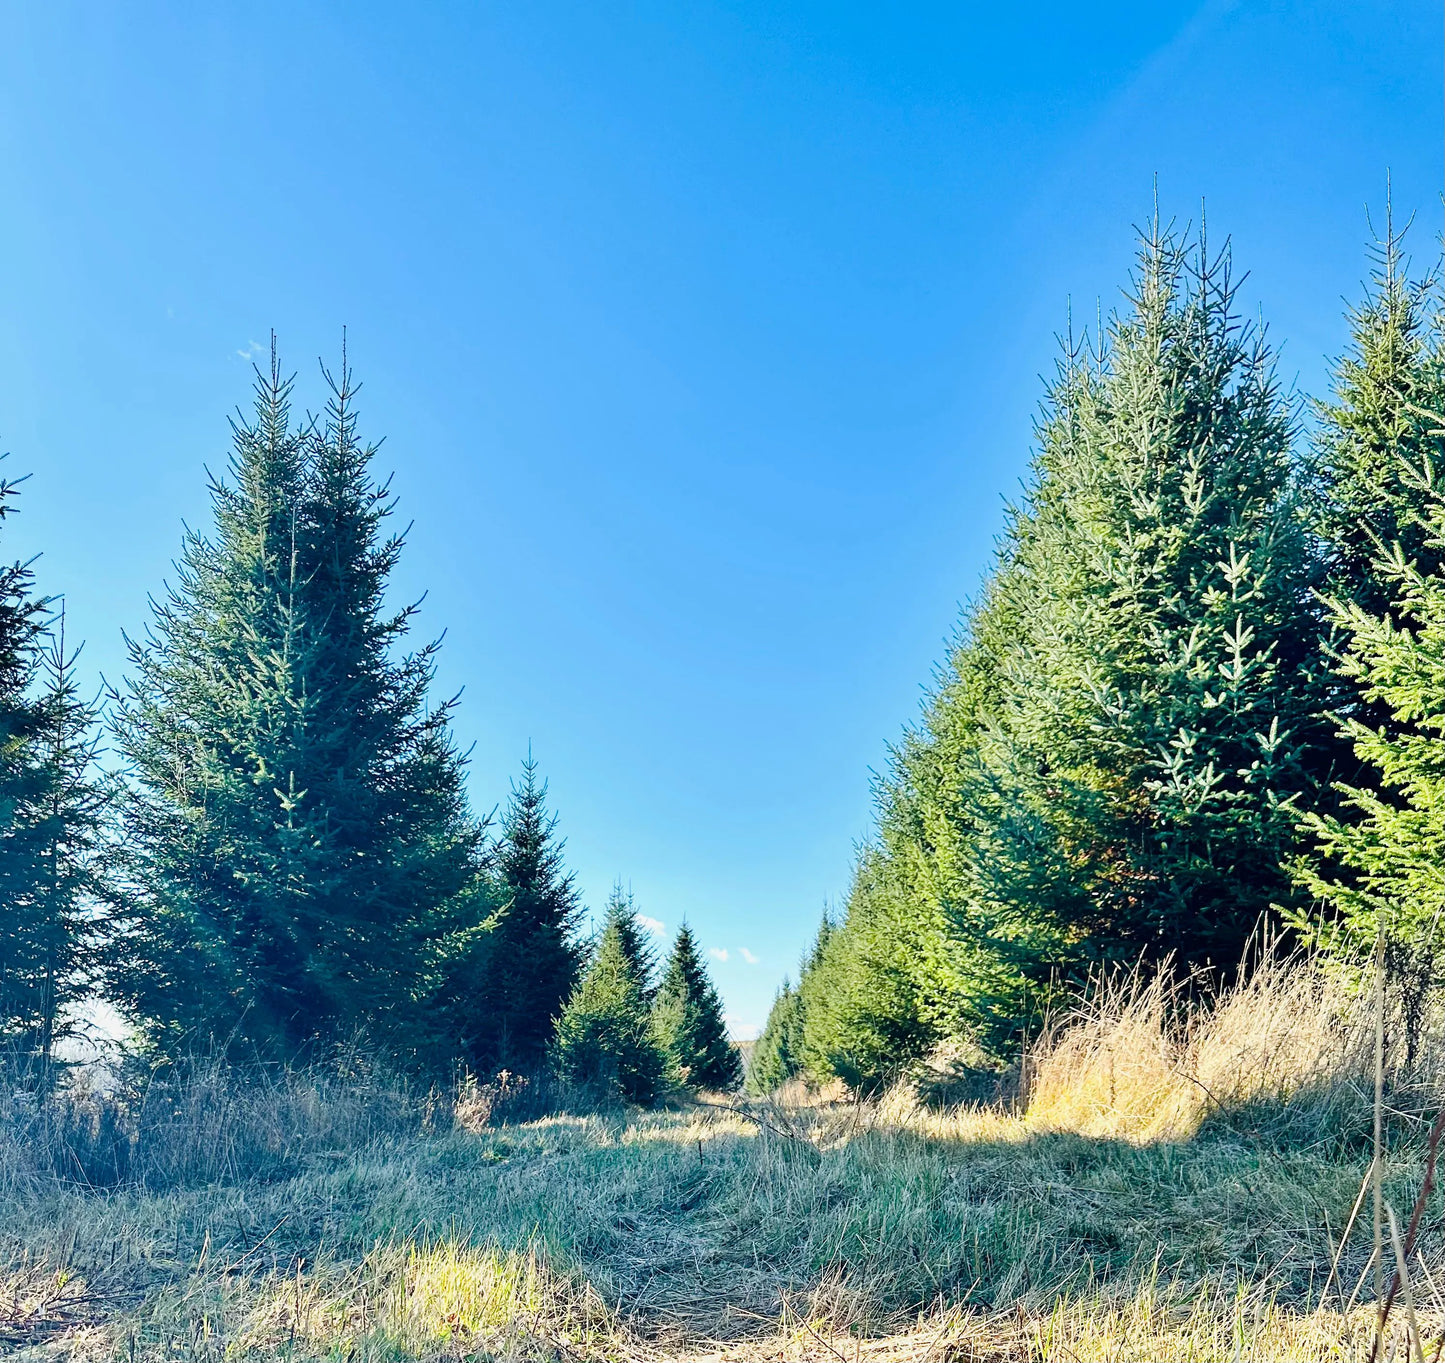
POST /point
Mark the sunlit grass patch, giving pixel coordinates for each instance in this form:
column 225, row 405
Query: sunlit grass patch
column 1111, row 1210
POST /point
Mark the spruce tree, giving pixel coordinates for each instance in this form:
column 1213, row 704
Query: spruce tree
column 1377, row 856
column 1155, row 732
column 688, row 1021
column 66, row 825
column 621, row 912
column 777, row 1053
column 22, row 724
column 531, row 954
column 604, row 1041
column 1377, row 436
column 859, row 1001
column 52, row 806
column 1379, row 864
column 1117, row 751
column 299, row 854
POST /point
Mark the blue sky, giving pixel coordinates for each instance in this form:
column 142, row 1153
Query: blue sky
column 705, row 339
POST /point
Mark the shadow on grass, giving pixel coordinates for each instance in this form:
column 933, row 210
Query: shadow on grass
column 699, row 1224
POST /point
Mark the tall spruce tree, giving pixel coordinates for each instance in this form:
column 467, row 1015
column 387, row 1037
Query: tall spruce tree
column 1155, row 729
column 1379, row 448
column 687, row 1019
column 604, row 1041
column 531, row 955
column 1117, row 752
column 299, row 849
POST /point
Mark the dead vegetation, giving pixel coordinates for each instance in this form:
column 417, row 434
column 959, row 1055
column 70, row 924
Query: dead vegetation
column 1173, row 1183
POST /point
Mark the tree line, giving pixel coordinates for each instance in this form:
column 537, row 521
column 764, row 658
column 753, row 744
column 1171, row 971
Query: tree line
column 1200, row 691
column 281, row 854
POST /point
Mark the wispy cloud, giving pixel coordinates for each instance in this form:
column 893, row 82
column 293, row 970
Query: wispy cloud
column 251, row 350
column 747, row 956
column 654, row 925
column 742, row 1031
column 718, row 953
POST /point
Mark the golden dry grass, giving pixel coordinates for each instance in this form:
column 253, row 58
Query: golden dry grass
column 1174, row 1189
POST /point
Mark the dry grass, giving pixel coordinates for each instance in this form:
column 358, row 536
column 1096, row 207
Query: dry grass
column 1175, row 1189
column 1291, row 1044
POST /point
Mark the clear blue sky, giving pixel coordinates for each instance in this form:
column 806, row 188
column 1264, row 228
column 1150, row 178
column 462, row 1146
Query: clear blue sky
column 705, row 338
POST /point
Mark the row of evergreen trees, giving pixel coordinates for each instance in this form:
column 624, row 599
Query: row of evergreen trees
column 626, row 1034
column 283, row 853
column 1202, row 687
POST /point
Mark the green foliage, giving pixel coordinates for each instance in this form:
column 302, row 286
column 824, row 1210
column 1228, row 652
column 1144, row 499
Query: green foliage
column 687, row 1020
column 1379, row 862
column 300, row 860
column 1116, row 755
column 858, row 997
column 1376, row 868
column 526, row 965
column 604, row 1041
column 1378, row 436
column 778, row 1052
column 620, row 912
column 1154, row 737
column 52, row 808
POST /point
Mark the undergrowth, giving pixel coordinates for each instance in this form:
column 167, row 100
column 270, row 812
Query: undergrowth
column 1170, row 1183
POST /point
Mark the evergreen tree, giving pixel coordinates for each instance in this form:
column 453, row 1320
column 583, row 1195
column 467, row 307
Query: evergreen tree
column 1377, row 437
column 400, row 878
column 1379, row 868
column 66, row 825
column 604, row 1041
column 923, row 912
column 688, row 1022
column 1376, row 863
column 1154, row 736
column 22, row 724
column 621, row 912
column 778, row 1052
column 51, row 810
column 299, row 855
column 531, row 955
column 1118, row 749
column 859, row 1003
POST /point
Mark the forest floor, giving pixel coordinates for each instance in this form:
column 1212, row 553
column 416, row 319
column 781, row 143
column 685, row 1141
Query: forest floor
column 832, row 1231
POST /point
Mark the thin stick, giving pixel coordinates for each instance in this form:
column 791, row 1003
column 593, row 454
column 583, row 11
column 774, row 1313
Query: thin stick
column 1344, row 1239
column 1426, row 1184
column 1403, row 1272
column 1364, row 1273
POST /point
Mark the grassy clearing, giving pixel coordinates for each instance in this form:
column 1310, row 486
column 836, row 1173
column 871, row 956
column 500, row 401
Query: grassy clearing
column 1164, row 1194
